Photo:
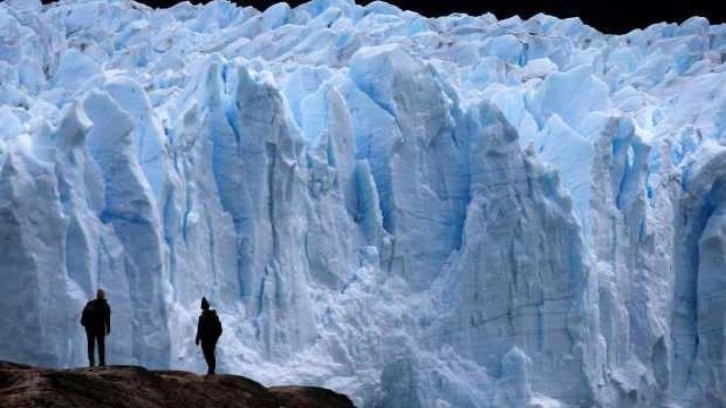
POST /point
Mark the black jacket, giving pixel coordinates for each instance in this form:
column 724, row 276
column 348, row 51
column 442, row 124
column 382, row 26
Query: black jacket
column 96, row 317
column 209, row 328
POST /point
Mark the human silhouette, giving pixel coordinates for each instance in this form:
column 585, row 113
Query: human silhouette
column 209, row 328
column 96, row 318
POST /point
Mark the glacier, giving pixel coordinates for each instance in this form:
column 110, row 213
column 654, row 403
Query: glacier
column 460, row 211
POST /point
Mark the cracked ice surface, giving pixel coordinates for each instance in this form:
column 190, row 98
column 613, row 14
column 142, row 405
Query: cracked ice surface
column 449, row 212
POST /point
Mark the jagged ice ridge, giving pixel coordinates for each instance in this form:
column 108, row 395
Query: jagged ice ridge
column 418, row 212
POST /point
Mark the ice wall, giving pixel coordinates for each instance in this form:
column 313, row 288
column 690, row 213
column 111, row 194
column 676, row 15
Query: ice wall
column 449, row 212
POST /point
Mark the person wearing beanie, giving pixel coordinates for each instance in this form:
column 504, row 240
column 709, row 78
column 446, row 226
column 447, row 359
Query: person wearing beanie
column 209, row 328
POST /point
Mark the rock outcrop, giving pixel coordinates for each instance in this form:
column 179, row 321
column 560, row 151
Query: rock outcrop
column 134, row 386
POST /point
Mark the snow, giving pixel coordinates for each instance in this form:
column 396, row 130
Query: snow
column 418, row 212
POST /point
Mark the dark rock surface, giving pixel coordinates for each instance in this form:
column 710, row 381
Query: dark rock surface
column 131, row 386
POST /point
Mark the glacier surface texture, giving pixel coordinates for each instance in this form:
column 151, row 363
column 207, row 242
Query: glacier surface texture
column 417, row 212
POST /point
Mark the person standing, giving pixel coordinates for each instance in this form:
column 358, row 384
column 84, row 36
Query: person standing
column 96, row 318
column 209, row 328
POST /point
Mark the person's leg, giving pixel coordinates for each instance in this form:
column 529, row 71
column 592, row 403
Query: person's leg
column 205, row 352
column 90, row 340
column 212, row 358
column 101, row 349
column 208, row 350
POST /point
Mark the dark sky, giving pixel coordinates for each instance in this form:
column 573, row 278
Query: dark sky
column 610, row 16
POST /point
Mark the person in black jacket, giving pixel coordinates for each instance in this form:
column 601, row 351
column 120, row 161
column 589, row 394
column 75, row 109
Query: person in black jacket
column 96, row 318
column 209, row 328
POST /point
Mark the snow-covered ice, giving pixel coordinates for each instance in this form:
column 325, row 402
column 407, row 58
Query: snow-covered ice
column 418, row 212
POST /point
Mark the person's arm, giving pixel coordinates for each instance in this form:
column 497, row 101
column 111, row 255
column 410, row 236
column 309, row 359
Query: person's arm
column 108, row 320
column 199, row 331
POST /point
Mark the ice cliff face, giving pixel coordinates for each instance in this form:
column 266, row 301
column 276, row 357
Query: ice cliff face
column 450, row 212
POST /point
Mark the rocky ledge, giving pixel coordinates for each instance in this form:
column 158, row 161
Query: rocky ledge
column 132, row 386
